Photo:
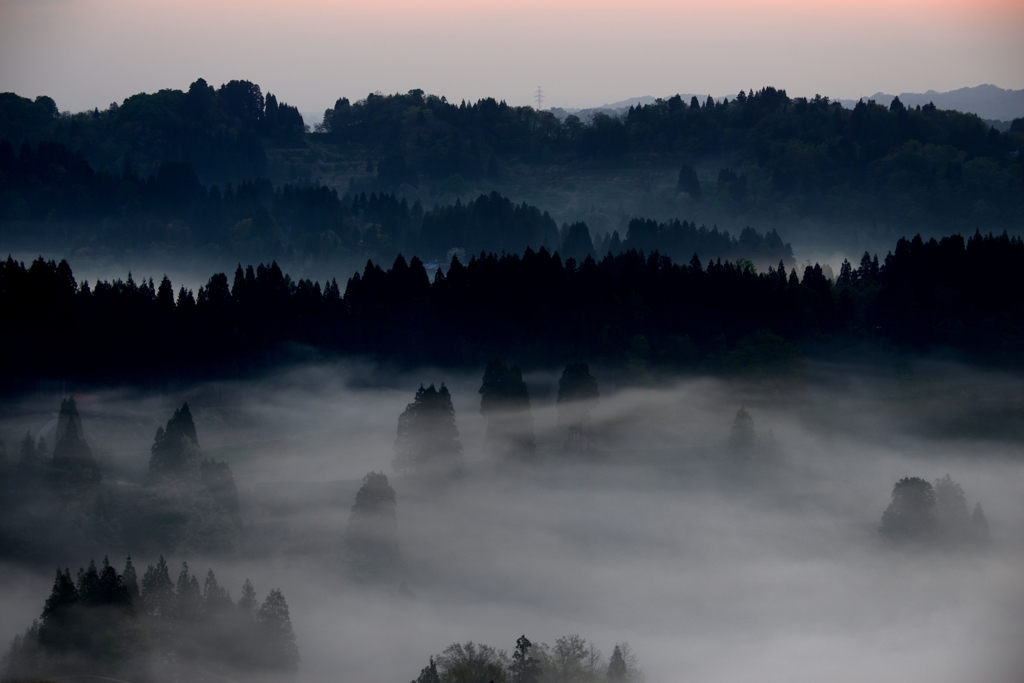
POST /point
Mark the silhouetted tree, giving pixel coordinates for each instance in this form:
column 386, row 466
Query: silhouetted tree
column 577, row 395
column 158, row 591
column 742, row 438
column 979, row 526
column 505, row 404
column 951, row 515
column 131, row 581
column 617, row 671
column 524, row 668
column 71, row 454
column 688, row 182
column 371, row 539
column 428, row 440
column 176, row 448
column 911, row 514
column 197, row 499
column 277, row 639
column 429, row 674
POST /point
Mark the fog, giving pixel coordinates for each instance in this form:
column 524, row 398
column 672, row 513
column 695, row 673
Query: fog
column 711, row 572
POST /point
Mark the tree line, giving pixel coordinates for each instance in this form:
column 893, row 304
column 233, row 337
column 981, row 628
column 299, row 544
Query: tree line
column 50, row 195
column 627, row 308
column 220, row 132
column 798, row 156
column 105, row 623
column 570, row 660
column 762, row 153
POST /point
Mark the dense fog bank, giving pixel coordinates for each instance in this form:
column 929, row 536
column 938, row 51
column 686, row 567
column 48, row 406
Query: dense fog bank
column 713, row 567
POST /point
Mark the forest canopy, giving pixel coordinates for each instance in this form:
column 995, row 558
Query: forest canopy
column 627, row 309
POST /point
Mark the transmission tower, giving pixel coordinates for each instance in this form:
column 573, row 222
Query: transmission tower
column 539, row 96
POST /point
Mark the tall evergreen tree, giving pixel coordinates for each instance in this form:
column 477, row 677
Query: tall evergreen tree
column 688, row 182
column 742, row 438
column 951, row 516
column 131, row 581
column 276, row 635
column 176, row 448
column 248, row 604
column 911, row 514
column 505, row 404
column 617, row 670
column 979, row 525
column 371, row 539
column 428, row 440
column 524, row 668
column 71, row 453
column 59, row 628
column 158, row 591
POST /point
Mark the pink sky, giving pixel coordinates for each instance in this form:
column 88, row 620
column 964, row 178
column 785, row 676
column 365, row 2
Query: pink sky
column 88, row 53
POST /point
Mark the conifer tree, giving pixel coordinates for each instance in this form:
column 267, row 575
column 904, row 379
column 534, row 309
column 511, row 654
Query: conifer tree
column 742, row 438
column 371, row 539
column 216, row 598
column 911, row 514
column 28, row 450
column 505, row 404
column 688, row 182
column 188, row 596
column 131, row 581
column 58, row 628
column 428, row 440
column 277, row 637
column 69, row 440
column 617, row 670
column 247, row 604
column 979, row 525
column 158, row 591
column 951, row 516
column 176, row 448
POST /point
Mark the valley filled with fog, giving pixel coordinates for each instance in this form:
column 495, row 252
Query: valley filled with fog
column 711, row 567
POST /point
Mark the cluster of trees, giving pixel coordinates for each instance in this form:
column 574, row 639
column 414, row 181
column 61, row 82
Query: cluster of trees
column 190, row 501
column 52, row 196
column 428, row 438
column 53, row 499
column 631, row 308
column 797, row 156
column 923, row 513
column 221, row 132
column 428, row 442
column 54, row 503
column 427, row 446
column 569, row 660
column 104, row 623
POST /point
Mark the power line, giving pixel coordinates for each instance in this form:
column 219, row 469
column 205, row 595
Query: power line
column 539, row 96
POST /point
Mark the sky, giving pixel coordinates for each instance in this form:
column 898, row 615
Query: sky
column 89, row 53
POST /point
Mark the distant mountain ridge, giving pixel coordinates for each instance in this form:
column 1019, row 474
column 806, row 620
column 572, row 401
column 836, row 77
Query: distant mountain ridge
column 988, row 101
